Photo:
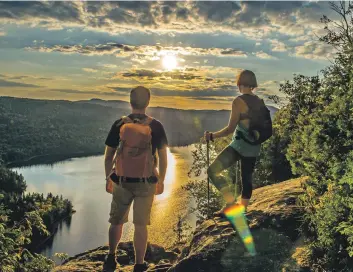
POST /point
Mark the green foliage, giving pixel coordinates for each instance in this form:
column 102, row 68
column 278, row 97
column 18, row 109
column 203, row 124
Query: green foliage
column 37, row 127
column 62, row 256
column 11, row 182
column 320, row 146
column 25, row 219
column 13, row 255
column 198, row 189
column 182, row 231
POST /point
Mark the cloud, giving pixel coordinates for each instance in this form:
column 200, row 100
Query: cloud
column 90, row 70
column 216, row 11
column 225, row 90
column 21, row 77
column 263, row 55
column 189, row 78
column 10, row 84
column 41, row 12
column 124, row 50
column 74, row 91
column 287, row 24
column 278, row 46
column 109, row 66
column 161, row 75
column 251, row 18
column 315, row 50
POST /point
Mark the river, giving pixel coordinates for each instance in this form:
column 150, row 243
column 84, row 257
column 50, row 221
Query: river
column 81, row 180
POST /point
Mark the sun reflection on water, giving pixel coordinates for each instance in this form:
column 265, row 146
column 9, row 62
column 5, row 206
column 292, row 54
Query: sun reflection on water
column 169, row 177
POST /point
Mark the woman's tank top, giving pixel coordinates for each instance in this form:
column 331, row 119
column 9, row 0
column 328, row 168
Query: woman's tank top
column 243, row 148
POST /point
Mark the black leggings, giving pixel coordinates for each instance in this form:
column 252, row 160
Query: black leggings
column 224, row 160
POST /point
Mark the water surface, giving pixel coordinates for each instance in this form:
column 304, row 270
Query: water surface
column 82, row 181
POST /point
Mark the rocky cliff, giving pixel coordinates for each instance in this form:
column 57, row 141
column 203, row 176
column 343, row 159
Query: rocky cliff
column 274, row 218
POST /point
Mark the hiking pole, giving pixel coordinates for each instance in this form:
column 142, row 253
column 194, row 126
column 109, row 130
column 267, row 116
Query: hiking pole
column 208, row 178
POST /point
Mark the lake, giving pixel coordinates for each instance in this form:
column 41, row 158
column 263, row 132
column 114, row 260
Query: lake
column 81, row 180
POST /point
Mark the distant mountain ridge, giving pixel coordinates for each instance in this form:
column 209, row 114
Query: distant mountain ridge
column 126, row 105
column 33, row 127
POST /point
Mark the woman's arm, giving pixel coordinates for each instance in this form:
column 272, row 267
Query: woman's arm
column 233, row 121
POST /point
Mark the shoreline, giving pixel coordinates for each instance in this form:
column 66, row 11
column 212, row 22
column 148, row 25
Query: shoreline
column 50, row 159
column 42, row 242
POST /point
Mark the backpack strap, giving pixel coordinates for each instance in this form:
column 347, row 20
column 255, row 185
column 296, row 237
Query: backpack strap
column 148, row 120
column 144, row 121
column 124, row 120
column 252, row 101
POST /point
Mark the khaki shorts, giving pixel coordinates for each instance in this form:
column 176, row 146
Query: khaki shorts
column 142, row 193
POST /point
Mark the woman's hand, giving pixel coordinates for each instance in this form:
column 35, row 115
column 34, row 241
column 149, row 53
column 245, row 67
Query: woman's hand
column 208, row 136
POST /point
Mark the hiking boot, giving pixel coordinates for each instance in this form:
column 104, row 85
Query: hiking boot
column 220, row 213
column 109, row 263
column 141, row 267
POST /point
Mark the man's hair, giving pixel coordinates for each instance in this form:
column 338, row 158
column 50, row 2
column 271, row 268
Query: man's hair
column 246, row 78
column 140, row 97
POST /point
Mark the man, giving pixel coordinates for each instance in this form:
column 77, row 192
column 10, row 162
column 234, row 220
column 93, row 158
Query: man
column 137, row 189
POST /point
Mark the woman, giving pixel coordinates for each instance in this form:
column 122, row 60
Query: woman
column 238, row 149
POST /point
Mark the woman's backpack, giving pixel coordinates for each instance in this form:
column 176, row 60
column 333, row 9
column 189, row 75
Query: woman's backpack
column 260, row 122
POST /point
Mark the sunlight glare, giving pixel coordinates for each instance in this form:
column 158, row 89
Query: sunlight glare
column 169, row 62
column 169, row 177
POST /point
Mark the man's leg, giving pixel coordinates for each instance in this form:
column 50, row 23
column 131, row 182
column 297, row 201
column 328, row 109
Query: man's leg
column 140, row 243
column 144, row 196
column 119, row 212
column 223, row 161
column 115, row 232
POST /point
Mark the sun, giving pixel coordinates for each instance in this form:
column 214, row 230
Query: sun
column 169, row 62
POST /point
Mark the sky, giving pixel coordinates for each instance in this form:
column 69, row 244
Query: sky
column 187, row 52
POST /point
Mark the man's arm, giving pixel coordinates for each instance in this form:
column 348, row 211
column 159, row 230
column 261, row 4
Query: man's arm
column 233, row 121
column 108, row 159
column 163, row 163
column 162, row 169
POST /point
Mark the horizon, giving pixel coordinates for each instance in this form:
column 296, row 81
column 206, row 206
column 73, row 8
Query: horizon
column 275, row 107
column 187, row 53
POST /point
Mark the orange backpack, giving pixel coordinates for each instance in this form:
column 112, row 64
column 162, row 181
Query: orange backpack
column 134, row 158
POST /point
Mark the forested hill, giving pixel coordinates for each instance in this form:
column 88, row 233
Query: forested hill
column 31, row 127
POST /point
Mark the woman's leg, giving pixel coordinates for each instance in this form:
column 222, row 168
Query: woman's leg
column 223, row 161
column 247, row 169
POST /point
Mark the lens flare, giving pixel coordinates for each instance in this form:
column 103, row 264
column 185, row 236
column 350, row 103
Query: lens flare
column 236, row 215
column 169, row 62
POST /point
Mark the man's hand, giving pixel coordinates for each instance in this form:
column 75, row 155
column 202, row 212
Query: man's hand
column 159, row 188
column 109, row 186
column 162, row 170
